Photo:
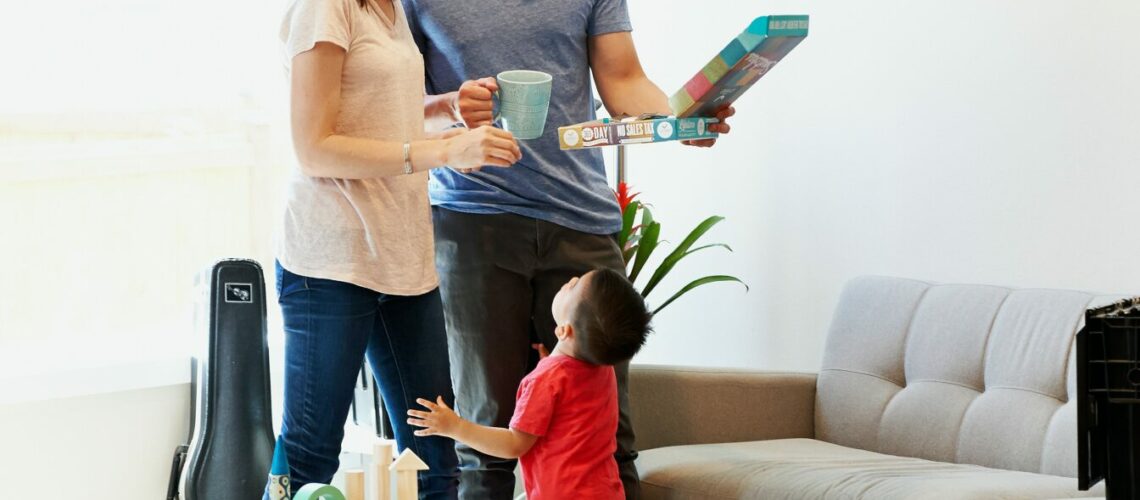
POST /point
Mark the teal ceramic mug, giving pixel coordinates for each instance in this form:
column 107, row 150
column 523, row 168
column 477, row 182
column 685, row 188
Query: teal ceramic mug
column 524, row 99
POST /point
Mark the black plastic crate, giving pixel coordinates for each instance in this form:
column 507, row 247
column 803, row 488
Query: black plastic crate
column 1114, row 358
column 1108, row 399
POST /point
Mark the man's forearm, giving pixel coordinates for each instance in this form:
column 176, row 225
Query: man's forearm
column 621, row 81
column 495, row 441
column 635, row 96
column 440, row 111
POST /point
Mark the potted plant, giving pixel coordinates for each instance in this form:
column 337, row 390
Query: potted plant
column 638, row 242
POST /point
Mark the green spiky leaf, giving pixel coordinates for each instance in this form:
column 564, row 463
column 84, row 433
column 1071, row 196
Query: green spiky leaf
column 628, row 254
column 679, row 253
column 646, row 216
column 645, row 248
column 713, row 245
column 627, row 218
column 696, row 283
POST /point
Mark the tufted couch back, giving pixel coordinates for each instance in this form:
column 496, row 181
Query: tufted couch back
column 954, row 373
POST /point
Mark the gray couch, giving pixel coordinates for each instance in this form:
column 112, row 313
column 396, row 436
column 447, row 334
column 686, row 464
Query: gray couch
column 926, row 391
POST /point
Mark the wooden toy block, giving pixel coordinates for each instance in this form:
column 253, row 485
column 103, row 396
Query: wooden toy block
column 354, row 485
column 381, row 460
column 404, row 471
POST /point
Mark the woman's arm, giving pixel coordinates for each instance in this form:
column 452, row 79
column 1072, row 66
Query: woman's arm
column 441, row 111
column 315, row 103
column 494, row 441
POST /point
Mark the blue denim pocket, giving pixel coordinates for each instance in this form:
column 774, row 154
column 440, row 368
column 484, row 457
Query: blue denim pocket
column 289, row 283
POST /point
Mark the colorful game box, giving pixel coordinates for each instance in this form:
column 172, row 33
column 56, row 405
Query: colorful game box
column 732, row 72
column 634, row 130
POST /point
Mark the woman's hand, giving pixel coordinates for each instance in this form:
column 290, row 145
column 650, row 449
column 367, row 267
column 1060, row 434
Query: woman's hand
column 447, row 134
column 440, row 420
column 471, row 149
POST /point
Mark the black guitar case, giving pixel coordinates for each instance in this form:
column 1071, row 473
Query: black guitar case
column 232, row 441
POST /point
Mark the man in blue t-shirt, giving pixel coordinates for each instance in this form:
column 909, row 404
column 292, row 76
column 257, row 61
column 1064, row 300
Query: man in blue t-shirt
column 508, row 239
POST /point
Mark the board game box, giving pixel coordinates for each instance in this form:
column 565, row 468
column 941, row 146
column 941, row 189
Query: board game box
column 634, row 130
column 736, row 68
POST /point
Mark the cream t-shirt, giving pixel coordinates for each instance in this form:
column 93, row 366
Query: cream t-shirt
column 375, row 233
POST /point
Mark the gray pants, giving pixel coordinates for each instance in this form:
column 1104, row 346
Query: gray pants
column 499, row 274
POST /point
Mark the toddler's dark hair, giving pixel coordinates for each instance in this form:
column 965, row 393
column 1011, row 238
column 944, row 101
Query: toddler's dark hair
column 611, row 321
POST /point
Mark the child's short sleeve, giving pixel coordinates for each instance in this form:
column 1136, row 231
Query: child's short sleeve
column 310, row 21
column 534, row 406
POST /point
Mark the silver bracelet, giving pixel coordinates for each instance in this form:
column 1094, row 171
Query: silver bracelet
column 407, row 157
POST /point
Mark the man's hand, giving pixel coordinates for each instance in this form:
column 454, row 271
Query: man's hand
column 543, row 352
column 440, row 420
column 720, row 128
column 475, row 104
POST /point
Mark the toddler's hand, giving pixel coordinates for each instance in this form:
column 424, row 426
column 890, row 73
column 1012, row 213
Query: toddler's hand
column 440, row 420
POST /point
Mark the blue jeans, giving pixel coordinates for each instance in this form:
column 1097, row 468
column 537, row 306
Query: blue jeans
column 329, row 327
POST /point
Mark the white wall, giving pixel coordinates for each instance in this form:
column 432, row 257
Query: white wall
column 969, row 141
column 114, row 445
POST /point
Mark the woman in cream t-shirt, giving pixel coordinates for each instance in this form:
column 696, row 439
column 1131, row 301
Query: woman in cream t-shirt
column 355, row 269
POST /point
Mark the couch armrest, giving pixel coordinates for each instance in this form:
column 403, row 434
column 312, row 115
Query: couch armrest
column 674, row 405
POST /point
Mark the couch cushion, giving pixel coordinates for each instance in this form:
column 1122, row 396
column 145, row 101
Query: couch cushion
column 807, row 468
column 968, row 374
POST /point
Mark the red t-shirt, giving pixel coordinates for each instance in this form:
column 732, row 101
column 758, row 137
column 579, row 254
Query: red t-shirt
column 572, row 406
